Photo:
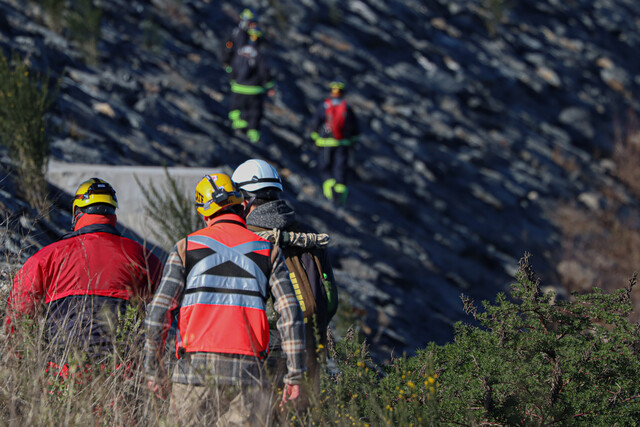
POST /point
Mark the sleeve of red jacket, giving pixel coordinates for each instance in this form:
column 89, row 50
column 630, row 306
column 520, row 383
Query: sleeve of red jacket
column 27, row 292
column 153, row 274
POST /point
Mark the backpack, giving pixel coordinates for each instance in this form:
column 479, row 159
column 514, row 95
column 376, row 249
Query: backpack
column 312, row 281
column 308, row 279
column 335, row 116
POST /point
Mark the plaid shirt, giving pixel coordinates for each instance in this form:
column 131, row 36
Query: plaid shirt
column 200, row 368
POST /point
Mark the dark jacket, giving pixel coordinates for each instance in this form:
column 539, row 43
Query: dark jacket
column 277, row 214
column 250, row 69
column 238, row 38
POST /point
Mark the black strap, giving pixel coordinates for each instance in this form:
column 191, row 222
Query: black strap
column 257, row 181
column 93, row 228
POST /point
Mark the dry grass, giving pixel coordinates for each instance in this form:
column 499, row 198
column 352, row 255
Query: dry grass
column 627, row 153
column 35, row 390
column 601, row 247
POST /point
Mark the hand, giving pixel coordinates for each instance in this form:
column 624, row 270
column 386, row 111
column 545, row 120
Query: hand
column 161, row 389
column 291, row 392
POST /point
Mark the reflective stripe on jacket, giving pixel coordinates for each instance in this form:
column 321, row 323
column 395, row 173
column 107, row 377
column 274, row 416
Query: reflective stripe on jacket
column 223, row 309
column 332, row 142
column 248, row 89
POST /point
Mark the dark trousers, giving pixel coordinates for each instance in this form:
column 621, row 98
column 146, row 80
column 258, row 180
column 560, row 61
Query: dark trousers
column 84, row 323
column 251, row 108
column 334, row 163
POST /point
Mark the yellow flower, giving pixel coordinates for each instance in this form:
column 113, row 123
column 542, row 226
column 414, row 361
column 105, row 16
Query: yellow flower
column 403, row 376
column 432, row 390
column 431, row 380
column 411, row 384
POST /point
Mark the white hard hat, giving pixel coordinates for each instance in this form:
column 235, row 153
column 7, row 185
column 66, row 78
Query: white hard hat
column 255, row 175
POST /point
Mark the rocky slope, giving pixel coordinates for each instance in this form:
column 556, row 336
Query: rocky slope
column 478, row 118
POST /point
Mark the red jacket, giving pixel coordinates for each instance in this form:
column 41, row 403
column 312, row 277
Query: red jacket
column 93, row 260
column 223, row 309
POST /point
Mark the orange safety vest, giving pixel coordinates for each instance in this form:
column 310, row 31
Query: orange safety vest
column 223, row 309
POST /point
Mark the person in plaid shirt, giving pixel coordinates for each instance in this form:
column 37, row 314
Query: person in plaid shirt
column 216, row 282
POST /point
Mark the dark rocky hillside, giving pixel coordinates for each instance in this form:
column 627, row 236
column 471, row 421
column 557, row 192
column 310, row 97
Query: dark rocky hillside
column 478, row 118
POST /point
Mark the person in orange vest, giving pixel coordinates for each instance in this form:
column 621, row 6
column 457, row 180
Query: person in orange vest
column 84, row 281
column 335, row 132
column 217, row 281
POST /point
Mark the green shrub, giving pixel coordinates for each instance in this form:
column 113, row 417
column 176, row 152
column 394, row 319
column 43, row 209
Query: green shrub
column 537, row 361
column 495, row 12
column 54, row 11
column 361, row 393
column 83, row 23
column 152, row 36
column 173, row 213
column 25, row 99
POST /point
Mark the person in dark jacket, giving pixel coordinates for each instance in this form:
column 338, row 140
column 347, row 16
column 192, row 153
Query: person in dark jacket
column 335, row 131
column 250, row 80
column 239, row 37
column 305, row 255
column 82, row 282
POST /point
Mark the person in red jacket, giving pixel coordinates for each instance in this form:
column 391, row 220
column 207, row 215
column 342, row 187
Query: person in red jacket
column 335, row 131
column 82, row 282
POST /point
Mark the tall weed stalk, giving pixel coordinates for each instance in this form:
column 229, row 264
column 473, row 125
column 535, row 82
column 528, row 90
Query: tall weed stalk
column 25, row 99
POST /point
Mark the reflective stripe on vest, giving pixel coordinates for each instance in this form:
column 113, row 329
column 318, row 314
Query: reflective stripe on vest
column 223, row 309
column 246, row 89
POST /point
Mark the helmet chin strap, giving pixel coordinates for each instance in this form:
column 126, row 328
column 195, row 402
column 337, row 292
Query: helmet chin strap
column 76, row 217
column 247, row 208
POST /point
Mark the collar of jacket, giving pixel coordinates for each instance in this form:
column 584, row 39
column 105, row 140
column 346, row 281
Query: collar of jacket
column 91, row 219
column 226, row 218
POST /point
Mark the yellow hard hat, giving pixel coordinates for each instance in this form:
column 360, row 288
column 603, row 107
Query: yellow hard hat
column 337, row 84
column 215, row 192
column 92, row 191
